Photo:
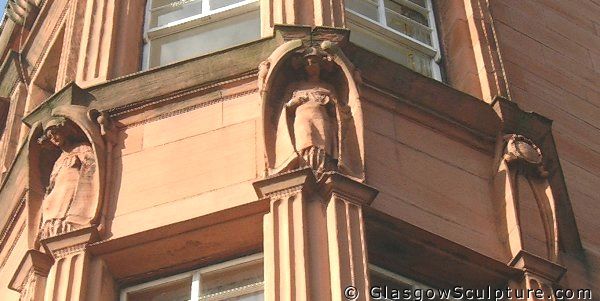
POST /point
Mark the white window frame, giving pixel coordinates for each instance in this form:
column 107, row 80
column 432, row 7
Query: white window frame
column 196, row 281
column 207, row 16
column 387, row 33
column 412, row 283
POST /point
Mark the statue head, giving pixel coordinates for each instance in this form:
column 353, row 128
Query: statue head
column 57, row 133
column 313, row 57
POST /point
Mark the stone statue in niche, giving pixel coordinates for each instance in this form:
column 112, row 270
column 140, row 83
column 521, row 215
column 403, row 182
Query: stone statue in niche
column 66, row 204
column 311, row 114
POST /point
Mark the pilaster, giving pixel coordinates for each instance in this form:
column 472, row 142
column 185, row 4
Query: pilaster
column 329, row 13
column 346, row 234
column 97, row 42
column 314, row 241
column 68, row 277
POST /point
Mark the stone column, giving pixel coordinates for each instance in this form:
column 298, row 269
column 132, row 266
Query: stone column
column 538, row 278
column 68, row 277
column 328, row 13
column 30, row 278
column 314, row 242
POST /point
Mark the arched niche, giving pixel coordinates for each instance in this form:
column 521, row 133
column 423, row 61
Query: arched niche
column 280, row 71
column 84, row 192
column 530, row 217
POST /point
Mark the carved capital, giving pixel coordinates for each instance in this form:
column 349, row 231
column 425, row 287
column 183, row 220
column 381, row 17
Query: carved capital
column 286, row 183
column 538, row 267
column 34, row 263
column 350, row 190
column 63, row 245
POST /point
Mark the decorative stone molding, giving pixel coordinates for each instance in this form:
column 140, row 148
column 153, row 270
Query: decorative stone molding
column 311, row 108
column 314, row 230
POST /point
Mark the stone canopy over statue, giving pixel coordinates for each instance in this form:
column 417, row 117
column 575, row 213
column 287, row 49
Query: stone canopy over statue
column 66, row 202
column 308, row 121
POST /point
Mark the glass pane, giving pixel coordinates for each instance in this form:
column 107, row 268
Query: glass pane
column 396, row 52
column 406, row 11
column 366, row 8
column 241, row 280
column 179, row 290
column 173, row 10
column 205, row 39
column 419, row 3
column 408, row 28
column 216, row 4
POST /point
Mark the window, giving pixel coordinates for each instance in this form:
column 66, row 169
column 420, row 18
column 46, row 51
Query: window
column 180, row 29
column 237, row 280
column 388, row 284
column 401, row 30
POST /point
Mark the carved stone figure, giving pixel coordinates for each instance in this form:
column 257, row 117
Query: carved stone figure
column 311, row 117
column 65, row 206
column 311, row 112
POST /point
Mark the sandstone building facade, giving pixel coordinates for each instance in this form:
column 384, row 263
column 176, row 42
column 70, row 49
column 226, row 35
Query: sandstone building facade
column 297, row 150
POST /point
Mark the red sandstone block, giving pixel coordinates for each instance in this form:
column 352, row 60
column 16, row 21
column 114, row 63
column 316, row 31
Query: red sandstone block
column 571, row 30
column 580, row 12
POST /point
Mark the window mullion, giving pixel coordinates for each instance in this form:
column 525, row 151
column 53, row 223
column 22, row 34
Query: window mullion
column 381, row 9
column 195, row 295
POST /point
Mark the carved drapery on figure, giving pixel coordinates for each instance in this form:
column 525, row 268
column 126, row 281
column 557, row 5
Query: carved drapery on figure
column 309, row 109
column 311, row 117
column 71, row 186
column 69, row 156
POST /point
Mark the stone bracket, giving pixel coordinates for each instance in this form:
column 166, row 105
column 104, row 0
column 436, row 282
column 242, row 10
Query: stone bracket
column 538, row 266
column 33, row 261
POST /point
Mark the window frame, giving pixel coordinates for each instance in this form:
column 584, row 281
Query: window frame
column 196, row 280
column 380, row 30
column 206, row 17
column 402, row 279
